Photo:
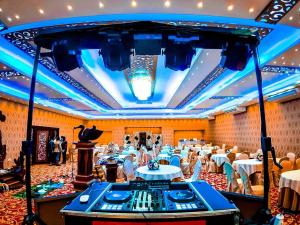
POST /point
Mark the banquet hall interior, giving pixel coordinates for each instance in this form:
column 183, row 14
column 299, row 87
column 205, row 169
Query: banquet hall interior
column 149, row 112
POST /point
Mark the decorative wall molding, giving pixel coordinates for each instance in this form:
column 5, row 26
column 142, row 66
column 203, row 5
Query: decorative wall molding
column 225, row 97
column 213, row 75
column 275, row 11
column 280, row 69
column 9, row 74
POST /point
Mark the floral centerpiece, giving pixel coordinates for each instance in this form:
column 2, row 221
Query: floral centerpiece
column 153, row 164
column 259, row 156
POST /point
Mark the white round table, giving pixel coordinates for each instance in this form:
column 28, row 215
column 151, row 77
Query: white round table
column 290, row 179
column 249, row 165
column 220, row 159
column 165, row 172
column 289, row 195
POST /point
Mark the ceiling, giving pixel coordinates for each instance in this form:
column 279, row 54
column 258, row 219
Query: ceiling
column 200, row 91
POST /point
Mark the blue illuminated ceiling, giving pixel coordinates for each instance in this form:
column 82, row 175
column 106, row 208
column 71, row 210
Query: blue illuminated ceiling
column 204, row 89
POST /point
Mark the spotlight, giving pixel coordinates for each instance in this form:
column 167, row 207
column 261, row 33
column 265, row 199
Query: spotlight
column 235, row 56
column 179, row 56
column 65, row 59
column 116, row 55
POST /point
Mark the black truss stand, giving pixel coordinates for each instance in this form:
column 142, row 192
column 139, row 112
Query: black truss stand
column 30, row 218
column 264, row 216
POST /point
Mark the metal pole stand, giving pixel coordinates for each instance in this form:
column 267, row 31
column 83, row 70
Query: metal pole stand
column 264, row 215
column 30, row 218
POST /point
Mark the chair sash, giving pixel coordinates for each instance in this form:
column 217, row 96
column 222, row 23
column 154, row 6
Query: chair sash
column 232, row 184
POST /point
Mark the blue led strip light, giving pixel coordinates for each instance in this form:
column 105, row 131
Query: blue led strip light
column 20, row 40
column 18, row 60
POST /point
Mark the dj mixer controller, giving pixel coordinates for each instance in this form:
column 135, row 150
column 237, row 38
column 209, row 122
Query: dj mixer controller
column 150, row 202
column 158, row 196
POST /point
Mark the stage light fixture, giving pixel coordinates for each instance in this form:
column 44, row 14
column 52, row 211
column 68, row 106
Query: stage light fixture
column 116, row 55
column 235, row 56
column 65, row 59
column 179, row 56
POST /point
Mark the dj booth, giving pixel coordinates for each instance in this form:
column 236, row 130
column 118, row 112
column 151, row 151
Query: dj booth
column 150, row 202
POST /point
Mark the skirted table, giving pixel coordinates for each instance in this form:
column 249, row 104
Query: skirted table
column 165, row 172
column 249, row 165
column 289, row 195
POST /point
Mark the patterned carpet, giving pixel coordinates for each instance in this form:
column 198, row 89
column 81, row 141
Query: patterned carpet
column 12, row 210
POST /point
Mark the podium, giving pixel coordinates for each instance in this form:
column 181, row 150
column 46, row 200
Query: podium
column 84, row 175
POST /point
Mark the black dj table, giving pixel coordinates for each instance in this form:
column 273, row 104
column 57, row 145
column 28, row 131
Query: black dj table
column 151, row 202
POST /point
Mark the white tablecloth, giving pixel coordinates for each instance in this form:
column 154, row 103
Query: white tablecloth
column 220, row 158
column 290, row 179
column 166, row 156
column 165, row 172
column 204, row 152
column 250, row 165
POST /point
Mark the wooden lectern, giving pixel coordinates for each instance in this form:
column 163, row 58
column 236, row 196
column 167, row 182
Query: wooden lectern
column 84, row 175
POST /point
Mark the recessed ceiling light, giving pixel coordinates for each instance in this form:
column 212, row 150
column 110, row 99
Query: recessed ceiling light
column 283, row 63
column 291, row 18
column 251, row 10
column 101, row 5
column 200, row 5
column 17, row 16
column 207, row 53
column 133, row 3
column 167, row 3
column 41, row 11
column 69, row 7
column 282, row 57
column 274, row 62
column 4, row 67
column 296, row 50
column 292, row 63
column 0, row 9
column 9, row 19
column 230, row 7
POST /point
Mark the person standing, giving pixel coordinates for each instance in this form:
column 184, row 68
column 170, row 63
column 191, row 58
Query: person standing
column 57, row 150
column 64, row 147
column 51, row 152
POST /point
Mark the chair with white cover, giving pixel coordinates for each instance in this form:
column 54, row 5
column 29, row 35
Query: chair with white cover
column 220, row 151
column 197, row 172
column 248, row 189
column 292, row 157
column 223, row 146
column 297, row 164
column 243, row 156
column 175, row 160
column 234, row 149
column 128, row 169
column 232, row 181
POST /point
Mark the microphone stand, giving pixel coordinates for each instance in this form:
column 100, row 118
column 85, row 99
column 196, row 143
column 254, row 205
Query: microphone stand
column 30, row 218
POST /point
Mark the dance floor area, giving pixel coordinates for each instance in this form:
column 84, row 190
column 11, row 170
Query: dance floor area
column 13, row 209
